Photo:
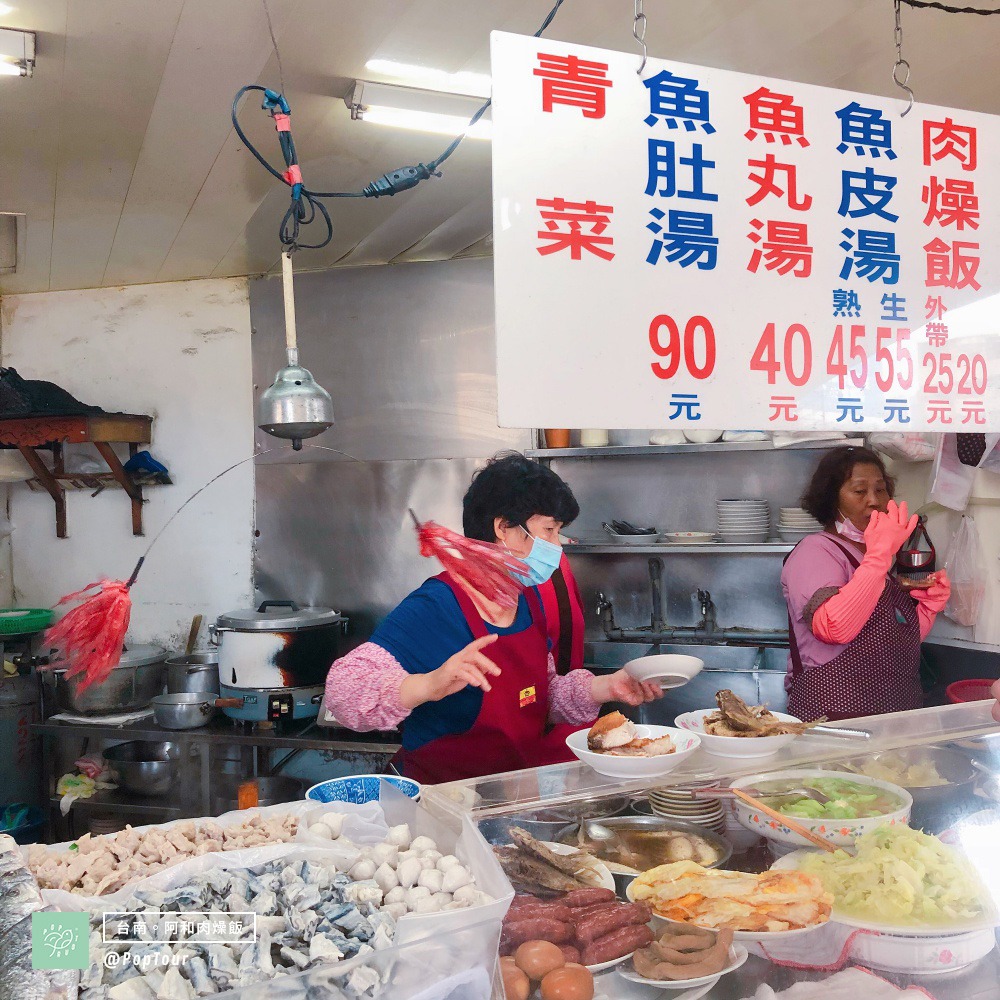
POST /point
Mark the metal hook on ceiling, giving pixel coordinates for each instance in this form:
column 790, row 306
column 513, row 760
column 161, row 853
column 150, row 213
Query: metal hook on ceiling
column 639, row 34
column 901, row 68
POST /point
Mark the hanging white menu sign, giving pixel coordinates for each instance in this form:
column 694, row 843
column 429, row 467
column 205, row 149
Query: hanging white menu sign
column 701, row 248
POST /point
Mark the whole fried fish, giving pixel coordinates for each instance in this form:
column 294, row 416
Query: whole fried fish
column 529, row 874
column 570, row 864
column 736, row 718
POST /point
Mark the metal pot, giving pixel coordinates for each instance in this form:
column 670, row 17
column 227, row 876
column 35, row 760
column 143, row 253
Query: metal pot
column 132, row 685
column 279, row 647
column 953, row 765
column 196, row 673
column 270, row 792
column 144, row 768
column 544, row 824
column 185, row 710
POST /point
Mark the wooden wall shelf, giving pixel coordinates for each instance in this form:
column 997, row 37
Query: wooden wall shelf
column 102, row 430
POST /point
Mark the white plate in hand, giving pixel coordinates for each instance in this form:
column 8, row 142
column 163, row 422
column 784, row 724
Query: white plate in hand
column 670, row 669
column 737, row 956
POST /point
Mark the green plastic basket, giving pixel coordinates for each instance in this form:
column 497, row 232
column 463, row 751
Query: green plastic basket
column 17, row 621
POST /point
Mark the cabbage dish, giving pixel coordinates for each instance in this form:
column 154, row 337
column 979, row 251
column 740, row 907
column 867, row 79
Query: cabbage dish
column 848, row 799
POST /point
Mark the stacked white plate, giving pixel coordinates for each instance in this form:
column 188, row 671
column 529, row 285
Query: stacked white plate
column 679, row 804
column 743, row 521
column 794, row 524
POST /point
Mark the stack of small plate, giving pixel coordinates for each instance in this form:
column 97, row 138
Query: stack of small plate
column 679, row 804
column 794, row 524
column 743, row 521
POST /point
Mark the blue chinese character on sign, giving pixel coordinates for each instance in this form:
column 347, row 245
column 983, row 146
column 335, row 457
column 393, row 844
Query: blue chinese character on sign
column 894, row 307
column 684, row 405
column 849, row 407
column 872, row 192
column 845, row 302
column 687, row 240
column 674, row 98
column 898, row 410
column 875, row 257
column 662, row 167
column 866, row 130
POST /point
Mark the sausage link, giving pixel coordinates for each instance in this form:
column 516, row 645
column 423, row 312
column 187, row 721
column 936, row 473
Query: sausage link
column 620, row 942
column 588, row 897
column 570, row 953
column 583, row 914
column 537, row 929
column 605, row 923
column 553, row 911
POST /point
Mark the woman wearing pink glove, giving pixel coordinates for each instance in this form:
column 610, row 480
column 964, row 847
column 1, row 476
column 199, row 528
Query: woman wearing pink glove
column 854, row 629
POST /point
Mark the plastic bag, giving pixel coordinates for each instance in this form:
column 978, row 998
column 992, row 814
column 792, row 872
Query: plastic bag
column 905, row 447
column 967, row 573
column 951, row 481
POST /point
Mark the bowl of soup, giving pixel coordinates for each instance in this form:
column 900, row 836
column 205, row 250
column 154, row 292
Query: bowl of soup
column 857, row 805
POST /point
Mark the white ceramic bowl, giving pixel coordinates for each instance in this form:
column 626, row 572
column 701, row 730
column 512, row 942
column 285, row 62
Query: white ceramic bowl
column 734, row 746
column 745, row 538
column 841, row 832
column 670, row 669
column 636, row 767
column 702, row 437
column 688, row 537
column 922, row 956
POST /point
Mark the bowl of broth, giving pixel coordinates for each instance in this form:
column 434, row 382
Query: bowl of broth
column 629, row 845
column 858, row 804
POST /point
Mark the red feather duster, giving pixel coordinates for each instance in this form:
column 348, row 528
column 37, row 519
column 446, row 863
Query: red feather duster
column 483, row 566
column 90, row 637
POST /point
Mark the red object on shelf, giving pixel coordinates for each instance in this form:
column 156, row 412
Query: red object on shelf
column 484, row 566
column 970, row 690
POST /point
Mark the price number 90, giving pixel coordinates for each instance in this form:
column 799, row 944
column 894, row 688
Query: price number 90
column 695, row 348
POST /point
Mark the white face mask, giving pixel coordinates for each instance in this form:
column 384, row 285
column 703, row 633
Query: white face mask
column 849, row 529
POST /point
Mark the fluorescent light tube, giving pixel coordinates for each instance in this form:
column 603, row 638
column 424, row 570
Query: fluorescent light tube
column 418, row 110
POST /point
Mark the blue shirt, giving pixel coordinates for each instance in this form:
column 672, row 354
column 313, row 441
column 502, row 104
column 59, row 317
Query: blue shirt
column 426, row 629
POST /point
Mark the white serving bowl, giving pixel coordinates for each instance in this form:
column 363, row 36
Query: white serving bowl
column 841, row 832
column 702, row 437
column 636, row 767
column 745, row 538
column 734, row 746
column 795, row 536
column 922, row 956
column 670, row 669
column 688, row 537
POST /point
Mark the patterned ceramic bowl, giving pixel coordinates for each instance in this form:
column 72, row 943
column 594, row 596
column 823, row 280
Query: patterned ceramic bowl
column 359, row 788
column 838, row 831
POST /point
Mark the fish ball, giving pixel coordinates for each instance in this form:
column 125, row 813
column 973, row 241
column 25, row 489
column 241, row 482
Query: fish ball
column 408, row 872
column 455, row 878
column 321, row 830
column 335, row 821
column 422, row 844
column 446, row 862
column 431, row 879
column 362, row 870
column 399, row 836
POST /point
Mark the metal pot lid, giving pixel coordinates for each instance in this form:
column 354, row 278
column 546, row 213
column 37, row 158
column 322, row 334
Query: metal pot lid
column 134, row 656
column 278, row 616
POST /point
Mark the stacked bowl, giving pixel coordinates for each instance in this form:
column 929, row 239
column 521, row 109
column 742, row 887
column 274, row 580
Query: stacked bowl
column 743, row 522
column 794, row 524
column 679, row 804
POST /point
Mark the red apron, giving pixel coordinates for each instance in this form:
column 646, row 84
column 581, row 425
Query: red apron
column 563, row 609
column 511, row 730
column 878, row 672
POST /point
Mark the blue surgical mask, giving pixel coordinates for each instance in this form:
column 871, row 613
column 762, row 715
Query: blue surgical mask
column 542, row 561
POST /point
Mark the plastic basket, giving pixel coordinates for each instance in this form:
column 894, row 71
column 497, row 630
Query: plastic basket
column 16, row 621
column 970, row 690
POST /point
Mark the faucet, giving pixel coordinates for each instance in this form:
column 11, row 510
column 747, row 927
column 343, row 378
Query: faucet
column 606, row 612
column 657, row 621
column 708, row 613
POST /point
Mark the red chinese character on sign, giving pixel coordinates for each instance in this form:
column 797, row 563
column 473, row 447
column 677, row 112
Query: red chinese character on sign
column 766, row 183
column 949, row 264
column 938, row 411
column 783, row 408
column 937, row 334
column 951, row 201
column 785, row 248
column 973, row 411
column 573, row 81
column 773, row 115
column 935, row 307
column 945, row 138
column 583, row 224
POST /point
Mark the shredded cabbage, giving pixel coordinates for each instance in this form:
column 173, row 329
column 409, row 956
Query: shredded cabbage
column 901, row 876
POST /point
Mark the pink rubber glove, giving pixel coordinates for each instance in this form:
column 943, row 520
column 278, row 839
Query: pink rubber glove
column 935, row 597
column 886, row 533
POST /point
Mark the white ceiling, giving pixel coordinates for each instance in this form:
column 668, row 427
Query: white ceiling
column 120, row 151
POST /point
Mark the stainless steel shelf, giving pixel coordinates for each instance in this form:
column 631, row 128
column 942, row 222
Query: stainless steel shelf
column 119, row 802
column 623, row 451
column 669, row 548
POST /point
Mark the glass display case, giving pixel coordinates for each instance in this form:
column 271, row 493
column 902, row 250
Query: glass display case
column 954, row 785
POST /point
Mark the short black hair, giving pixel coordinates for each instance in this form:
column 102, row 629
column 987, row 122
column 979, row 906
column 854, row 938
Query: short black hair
column 515, row 488
column 834, row 469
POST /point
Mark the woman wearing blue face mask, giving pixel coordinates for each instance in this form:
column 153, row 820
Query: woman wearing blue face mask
column 473, row 684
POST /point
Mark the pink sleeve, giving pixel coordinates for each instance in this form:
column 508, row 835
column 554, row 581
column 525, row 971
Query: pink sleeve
column 569, row 697
column 842, row 616
column 362, row 689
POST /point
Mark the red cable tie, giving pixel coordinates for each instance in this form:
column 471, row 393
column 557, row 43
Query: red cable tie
column 282, row 122
column 293, row 175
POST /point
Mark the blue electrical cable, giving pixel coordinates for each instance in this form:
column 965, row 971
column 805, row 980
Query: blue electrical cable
column 305, row 202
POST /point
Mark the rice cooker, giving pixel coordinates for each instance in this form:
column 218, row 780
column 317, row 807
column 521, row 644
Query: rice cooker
column 273, row 661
